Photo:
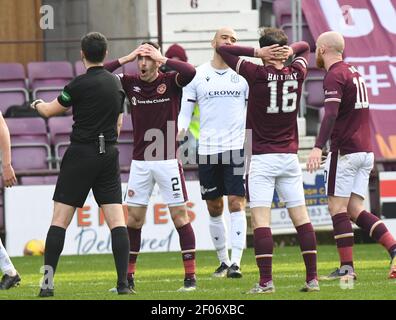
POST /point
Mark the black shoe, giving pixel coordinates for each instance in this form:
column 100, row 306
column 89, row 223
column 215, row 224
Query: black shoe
column 234, row 271
column 45, row 293
column 123, row 288
column 190, row 284
column 8, row 282
column 221, row 271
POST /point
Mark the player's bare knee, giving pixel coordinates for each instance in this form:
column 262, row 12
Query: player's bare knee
column 215, row 207
column 236, row 204
column 179, row 216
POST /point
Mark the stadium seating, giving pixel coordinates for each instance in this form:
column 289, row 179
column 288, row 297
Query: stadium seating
column 282, row 12
column 47, row 79
column 131, row 68
column 125, row 141
column 79, row 68
column 60, row 129
column 283, row 19
column 29, row 144
column 13, row 89
column 314, row 84
column 38, row 180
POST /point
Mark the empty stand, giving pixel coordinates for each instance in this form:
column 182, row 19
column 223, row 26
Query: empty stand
column 60, row 129
column 13, row 89
column 125, row 141
column 47, row 79
column 29, row 144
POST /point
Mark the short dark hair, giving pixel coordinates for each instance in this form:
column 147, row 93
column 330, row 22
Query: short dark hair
column 151, row 43
column 270, row 36
column 94, row 47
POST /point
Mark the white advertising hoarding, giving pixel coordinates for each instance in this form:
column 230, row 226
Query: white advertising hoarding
column 28, row 213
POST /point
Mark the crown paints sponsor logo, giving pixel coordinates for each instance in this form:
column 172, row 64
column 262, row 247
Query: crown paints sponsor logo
column 225, row 93
column 161, row 88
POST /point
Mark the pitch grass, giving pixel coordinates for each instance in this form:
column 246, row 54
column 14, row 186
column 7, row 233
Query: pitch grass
column 159, row 275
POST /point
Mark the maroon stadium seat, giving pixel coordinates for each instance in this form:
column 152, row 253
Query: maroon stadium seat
column 13, row 89
column 306, row 36
column 131, row 68
column 60, row 129
column 125, row 141
column 38, row 180
column 282, row 11
column 29, row 144
column 47, row 79
column 124, row 177
column 80, row 68
column 314, row 83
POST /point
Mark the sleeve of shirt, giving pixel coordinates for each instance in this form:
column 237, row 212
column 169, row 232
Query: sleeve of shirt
column 69, row 95
column 300, row 62
column 231, row 56
column 332, row 88
column 189, row 99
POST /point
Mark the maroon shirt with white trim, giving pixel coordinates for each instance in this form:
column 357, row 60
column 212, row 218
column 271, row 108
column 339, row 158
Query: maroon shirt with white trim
column 351, row 132
column 155, row 108
column 274, row 102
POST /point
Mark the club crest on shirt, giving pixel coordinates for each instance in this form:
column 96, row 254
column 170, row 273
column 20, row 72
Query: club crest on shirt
column 161, row 88
column 131, row 193
column 134, row 101
column 234, row 78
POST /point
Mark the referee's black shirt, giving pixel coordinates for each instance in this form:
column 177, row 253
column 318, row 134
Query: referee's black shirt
column 97, row 98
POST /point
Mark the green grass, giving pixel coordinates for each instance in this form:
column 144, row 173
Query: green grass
column 159, row 275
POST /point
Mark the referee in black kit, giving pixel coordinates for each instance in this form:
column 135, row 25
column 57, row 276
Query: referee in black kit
column 91, row 161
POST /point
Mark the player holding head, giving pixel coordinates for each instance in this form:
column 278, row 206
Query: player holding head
column 274, row 101
column 348, row 166
column 10, row 277
column 155, row 101
column 221, row 95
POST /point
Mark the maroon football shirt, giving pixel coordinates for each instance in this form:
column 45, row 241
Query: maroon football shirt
column 351, row 132
column 274, row 102
column 155, row 107
column 274, row 98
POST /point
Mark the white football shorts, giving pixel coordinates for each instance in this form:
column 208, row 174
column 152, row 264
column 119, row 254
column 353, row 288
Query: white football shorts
column 280, row 171
column 168, row 174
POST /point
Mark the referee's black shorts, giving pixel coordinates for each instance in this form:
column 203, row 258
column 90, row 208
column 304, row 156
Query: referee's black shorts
column 83, row 168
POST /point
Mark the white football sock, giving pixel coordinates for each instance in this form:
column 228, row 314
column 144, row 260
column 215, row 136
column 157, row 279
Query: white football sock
column 6, row 265
column 218, row 233
column 238, row 236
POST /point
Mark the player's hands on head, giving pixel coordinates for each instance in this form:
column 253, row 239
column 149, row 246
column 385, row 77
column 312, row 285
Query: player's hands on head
column 314, row 160
column 274, row 52
column 153, row 53
column 135, row 53
column 9, row 175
